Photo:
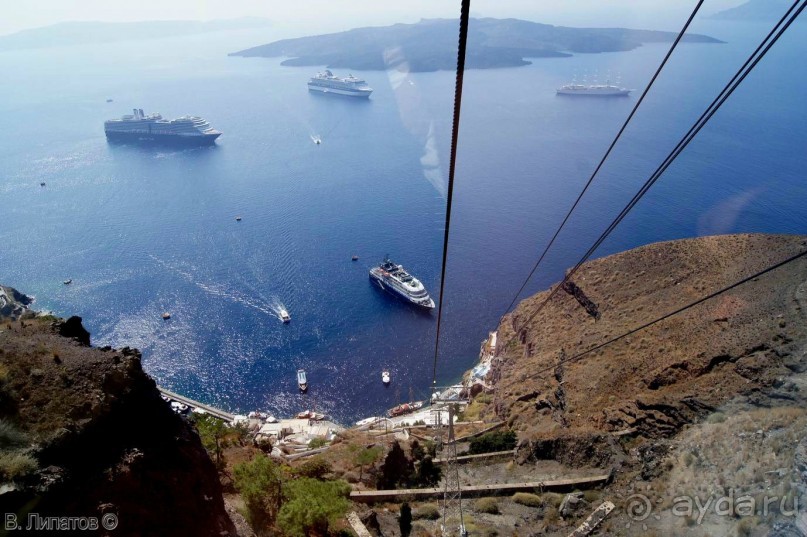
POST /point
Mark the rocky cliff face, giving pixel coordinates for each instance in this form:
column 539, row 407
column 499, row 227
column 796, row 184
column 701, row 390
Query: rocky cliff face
column 744, row 342
column 13, row 303
column 102, row 439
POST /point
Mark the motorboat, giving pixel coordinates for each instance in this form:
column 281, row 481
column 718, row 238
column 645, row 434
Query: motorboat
column 302, row 381
column 385, row 378
column 284, row 315
column 404, row 408
column 179, row 408
column 310, row 415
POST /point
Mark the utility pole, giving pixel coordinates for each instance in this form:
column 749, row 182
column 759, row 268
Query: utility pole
column 453, row 523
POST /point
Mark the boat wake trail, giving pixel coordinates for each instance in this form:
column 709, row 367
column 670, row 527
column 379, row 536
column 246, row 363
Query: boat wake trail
column 220, row 290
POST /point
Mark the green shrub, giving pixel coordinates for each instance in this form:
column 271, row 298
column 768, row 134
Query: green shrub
column 591, row 496
column 14, row 466
column 428, row 511
column 316, row 468
column 10, row 436
column 745, row 528
column 312, row 506
column 552, row 499
column 367, row 456
column 213, row 433
column 487, row 505
column 259, row 483
column 493, row 441
column 525, row 498
column 427, row 474
column 317, row 443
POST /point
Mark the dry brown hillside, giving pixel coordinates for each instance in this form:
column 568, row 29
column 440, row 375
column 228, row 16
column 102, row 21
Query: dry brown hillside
column 84, row 432
column 670, row 374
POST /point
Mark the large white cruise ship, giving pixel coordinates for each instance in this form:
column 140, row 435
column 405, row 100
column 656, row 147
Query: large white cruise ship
column 396, row 280
column 326, row 82
column 152, row 128
column 602, row 90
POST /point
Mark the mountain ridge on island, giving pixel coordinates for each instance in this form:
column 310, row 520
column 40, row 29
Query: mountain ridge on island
column 92, row 32
column 431, row 45
column 754, row 10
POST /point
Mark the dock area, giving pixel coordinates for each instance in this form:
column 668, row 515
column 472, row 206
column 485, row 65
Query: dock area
column 196, row 405
column 299, row 431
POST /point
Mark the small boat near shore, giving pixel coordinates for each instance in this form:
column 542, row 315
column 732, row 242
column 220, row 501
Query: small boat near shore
column 179, row 408
column 263, row 416
column 369, row 421
column 302, row 381
column 405, row 408
column 310, row 415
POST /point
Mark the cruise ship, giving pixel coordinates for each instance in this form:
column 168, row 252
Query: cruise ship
column 326, row 82
column 596, row 90
column 394, row 279
column 141, row 128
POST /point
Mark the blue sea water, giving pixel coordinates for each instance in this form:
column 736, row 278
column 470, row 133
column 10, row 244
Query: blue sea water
column 142, row 231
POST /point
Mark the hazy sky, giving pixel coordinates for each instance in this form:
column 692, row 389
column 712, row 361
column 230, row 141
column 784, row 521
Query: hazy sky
column 335, row 14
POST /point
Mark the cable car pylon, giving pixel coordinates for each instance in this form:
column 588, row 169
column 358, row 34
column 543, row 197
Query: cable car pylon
column 444, row 415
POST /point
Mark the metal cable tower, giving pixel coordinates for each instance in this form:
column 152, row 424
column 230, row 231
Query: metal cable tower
column 453, row 522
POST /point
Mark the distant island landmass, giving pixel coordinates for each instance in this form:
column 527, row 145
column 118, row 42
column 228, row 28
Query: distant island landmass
column 88, row 32
column 754, row 10
column 431, row 45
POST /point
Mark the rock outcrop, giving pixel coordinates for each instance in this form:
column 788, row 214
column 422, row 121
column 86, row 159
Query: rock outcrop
column 100, row 438
column 13, row 304
column 673, row 373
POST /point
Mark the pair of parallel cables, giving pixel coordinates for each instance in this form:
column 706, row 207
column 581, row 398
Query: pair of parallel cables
column 773, row 36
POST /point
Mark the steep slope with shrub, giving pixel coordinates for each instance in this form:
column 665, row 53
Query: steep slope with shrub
column 84, row 432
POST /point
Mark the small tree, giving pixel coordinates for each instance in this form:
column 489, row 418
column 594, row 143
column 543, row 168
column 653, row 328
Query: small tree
column 365, row 457
column 405, row 521
column 427, row 473
column 397, row 468
column 212, row 431
column 312, row 506
column 259, row 483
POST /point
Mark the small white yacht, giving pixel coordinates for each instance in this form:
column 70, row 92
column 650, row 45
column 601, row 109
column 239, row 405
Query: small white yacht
column 385, row 378
column 284, row 315
column 302, row 382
